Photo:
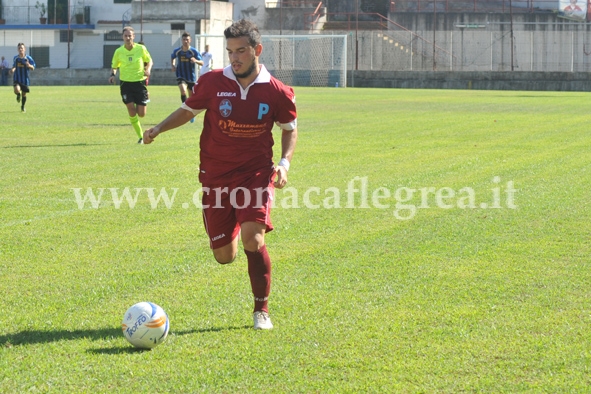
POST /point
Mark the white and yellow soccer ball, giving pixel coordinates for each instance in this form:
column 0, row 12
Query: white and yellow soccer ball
column 145, row 325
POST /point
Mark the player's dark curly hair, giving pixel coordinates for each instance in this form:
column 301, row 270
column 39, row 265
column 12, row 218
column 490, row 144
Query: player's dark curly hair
column 244, row 28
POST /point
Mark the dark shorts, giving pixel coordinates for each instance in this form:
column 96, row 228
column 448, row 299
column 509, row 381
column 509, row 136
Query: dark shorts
column 189, row 84
column 134, row 92
column 24, row 88
column 226, row 207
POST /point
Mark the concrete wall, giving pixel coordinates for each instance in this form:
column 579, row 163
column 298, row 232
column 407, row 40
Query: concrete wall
column 90, row 77
column 168, row 12
column 474, row 42
column 419, row 21
column 268, row 15
column 517, row 80
column 540, row 81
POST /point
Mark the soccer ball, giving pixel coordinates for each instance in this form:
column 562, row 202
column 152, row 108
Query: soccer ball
column 145, row 325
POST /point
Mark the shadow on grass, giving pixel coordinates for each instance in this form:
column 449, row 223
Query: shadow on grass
column 30, row 337
column 117, row 350
column 130, row 349
column 50, row 145
column 211, row 329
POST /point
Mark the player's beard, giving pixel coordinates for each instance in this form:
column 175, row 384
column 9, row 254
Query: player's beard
column 247, row 72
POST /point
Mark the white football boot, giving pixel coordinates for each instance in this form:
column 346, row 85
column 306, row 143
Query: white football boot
column 262, row 321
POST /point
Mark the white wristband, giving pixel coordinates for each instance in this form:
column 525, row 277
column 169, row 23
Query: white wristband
column 284, row 163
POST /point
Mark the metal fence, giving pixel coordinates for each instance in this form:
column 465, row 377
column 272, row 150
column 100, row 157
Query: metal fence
column 33, row 15
column 420, row 41
column 564, row 48
column 83, row 48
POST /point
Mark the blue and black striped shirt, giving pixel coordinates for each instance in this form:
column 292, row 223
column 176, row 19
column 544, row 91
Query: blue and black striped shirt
column 184, row 68
column 21, row 71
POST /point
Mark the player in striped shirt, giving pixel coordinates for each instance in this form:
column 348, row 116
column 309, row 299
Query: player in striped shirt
column 21, row 66
column 183, row 61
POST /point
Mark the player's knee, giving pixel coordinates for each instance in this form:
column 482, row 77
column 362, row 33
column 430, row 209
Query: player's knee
column 223, row 256
column 253, row 241
column 224, row 259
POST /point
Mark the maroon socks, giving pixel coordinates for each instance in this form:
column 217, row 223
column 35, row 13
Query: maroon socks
column 259, row 270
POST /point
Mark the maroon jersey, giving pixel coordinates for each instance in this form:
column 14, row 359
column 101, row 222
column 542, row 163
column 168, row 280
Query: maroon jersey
column 237, row 135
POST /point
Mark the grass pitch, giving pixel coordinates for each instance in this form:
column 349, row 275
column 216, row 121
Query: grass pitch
column 429, row 241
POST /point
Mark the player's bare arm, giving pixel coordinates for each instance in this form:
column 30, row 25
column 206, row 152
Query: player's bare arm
column 288, row 144
column 112, row 77
column 148, row 68
column 174, row 120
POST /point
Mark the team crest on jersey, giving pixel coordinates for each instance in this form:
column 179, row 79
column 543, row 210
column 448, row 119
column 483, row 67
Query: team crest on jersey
column 130, row 58
column 225, row 108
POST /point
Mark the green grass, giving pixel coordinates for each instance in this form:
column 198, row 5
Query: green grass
column 449, row 300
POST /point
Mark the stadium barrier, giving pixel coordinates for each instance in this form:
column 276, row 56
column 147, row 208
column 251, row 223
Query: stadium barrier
column 478, row 80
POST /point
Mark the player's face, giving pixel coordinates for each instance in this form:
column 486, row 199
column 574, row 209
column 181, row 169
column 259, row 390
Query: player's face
column 186, row 41
column 243, row 57
column 21, row 50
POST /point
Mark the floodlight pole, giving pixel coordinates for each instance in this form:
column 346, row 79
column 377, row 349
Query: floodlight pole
column 69, row 32
column 280, row 18
column 512, row 38
column 280, row 33
column 434, row 29
column 357, row 35
column 142, row 20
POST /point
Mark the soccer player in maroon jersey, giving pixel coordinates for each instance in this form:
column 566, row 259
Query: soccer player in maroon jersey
column 242, row 103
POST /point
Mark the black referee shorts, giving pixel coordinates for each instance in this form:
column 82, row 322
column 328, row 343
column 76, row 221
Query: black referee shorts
column 134, row 92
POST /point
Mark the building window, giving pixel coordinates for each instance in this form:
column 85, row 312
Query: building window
column 64, row 36
column 41, row 56
column 108, row 51
column 177, row 26
column 113, row 35
column 121, row 1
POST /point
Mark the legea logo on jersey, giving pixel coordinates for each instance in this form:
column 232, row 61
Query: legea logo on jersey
column 225, row 108
column 130, row 59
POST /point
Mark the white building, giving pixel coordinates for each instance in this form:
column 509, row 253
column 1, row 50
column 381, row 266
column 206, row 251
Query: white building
column 94, row 26
column 83, row 34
